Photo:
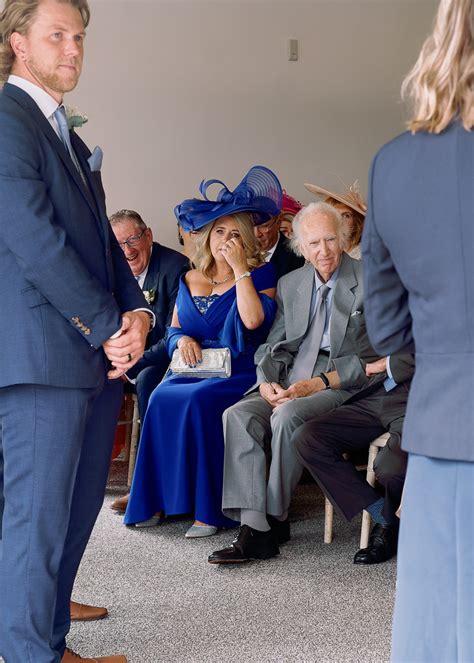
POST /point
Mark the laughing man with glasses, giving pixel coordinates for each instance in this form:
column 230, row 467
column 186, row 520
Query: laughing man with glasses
column 157, row 269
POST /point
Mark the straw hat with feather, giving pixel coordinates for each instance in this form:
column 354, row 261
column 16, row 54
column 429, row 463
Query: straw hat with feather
column 351, row 197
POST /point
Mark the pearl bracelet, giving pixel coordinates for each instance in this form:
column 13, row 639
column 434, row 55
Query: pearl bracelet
column 242, row 276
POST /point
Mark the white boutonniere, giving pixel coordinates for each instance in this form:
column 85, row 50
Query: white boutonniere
column 149, row 296
column 74, row 117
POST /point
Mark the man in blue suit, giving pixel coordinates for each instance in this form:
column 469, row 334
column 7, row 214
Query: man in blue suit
column 158, row 270
column 70, row 325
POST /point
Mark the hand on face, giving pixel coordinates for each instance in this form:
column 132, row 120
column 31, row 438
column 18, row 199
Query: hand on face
column 234, row 254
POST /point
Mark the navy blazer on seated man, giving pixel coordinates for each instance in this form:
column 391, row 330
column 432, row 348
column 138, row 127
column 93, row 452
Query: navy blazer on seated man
column 156, row 268
column 161, row 287
column 64, row 284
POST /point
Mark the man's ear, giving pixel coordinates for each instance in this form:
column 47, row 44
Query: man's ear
column 149, row 232
column 18, row 45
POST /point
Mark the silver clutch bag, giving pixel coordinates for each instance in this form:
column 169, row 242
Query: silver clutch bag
column 216, row 363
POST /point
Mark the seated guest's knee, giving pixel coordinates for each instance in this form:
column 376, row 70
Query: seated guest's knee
column 307, row 441
column 390, row 465
column 284, row 417
column 230, row 415
column 387, row 473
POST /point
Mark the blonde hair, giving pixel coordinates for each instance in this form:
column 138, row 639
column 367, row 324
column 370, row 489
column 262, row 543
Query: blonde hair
column 203, row 259
column 441, row 84
column 18, row 16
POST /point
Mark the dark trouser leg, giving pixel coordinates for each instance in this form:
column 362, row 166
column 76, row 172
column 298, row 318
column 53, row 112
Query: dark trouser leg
column 390, row 468
column 149, row 378
column 320, row 445
column 88, row 496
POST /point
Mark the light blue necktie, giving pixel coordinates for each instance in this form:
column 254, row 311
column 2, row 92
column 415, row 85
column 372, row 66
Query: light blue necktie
column 389, row 384
column 305, row 360
column 61, row 119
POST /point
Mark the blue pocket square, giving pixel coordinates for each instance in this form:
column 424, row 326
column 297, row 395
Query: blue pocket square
column 95, row 159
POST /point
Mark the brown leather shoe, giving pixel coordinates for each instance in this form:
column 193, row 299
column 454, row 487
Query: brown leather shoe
column 70, row 657
column 121, row 504
column 86, row 613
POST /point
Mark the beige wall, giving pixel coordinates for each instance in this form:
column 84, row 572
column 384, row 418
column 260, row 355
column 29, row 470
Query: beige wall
column 181, row 90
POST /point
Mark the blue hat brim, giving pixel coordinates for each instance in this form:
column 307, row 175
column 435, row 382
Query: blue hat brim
column 259, row 194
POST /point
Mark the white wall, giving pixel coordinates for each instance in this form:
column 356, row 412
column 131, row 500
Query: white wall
column 181, row 90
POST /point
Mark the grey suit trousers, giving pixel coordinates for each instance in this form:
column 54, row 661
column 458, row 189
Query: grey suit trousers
column 252, row 431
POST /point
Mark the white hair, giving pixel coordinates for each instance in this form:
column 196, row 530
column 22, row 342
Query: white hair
column 311, row 210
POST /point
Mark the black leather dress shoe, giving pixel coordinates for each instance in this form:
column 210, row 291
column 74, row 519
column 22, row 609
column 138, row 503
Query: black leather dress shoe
column 382, row 546
column 248, row 544
column 280, row 529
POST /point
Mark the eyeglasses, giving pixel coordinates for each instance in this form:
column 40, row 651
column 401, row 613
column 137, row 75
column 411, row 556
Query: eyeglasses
column 131, row 241
column 266, row 229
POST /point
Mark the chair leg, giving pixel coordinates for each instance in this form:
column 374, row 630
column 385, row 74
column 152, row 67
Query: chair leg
column 373, row 451
column 328, row 519
column 133, row 442
column 365, row 530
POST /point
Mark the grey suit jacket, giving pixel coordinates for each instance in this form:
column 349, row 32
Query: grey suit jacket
column 418, row 249
column 275, row 357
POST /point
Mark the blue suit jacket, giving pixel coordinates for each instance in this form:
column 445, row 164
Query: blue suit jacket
column 64, row 280
column 164, row 271
column 418, row 254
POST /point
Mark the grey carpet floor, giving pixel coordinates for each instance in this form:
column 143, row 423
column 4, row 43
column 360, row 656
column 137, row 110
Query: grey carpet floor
column 167, row 603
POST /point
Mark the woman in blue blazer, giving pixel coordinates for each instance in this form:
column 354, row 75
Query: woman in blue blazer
column 418, row 250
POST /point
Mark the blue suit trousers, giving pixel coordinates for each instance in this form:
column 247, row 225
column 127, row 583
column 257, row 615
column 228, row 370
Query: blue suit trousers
column 434, row 611
column 55, row 448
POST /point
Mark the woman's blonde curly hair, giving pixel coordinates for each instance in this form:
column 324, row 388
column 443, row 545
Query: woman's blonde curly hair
column 203, row 259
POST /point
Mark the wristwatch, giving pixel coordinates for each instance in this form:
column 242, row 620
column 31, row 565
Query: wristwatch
column 324, row 378
column 151, row 316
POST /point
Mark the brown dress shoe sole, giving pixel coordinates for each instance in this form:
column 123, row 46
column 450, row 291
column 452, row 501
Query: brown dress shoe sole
column 89, row 619
column 86, row 613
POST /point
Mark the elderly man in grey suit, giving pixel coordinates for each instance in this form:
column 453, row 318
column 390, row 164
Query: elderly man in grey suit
column 308, row 366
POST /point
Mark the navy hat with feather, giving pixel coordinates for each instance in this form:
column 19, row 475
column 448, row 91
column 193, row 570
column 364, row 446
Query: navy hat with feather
column 259, row 193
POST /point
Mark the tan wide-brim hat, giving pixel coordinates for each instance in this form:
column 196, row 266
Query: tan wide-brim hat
column 351, row 197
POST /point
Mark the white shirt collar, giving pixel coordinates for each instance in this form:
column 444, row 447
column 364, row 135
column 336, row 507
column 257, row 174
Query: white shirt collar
column 331, row 283
column 141, row 277
column 45, row 101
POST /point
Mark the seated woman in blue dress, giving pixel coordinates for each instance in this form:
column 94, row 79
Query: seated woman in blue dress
column 226, row 301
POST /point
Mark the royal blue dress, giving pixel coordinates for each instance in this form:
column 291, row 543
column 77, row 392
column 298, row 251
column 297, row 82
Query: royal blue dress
column 181, row 453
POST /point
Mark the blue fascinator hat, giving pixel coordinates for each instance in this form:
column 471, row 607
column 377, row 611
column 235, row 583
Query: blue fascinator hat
column 258, row 193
